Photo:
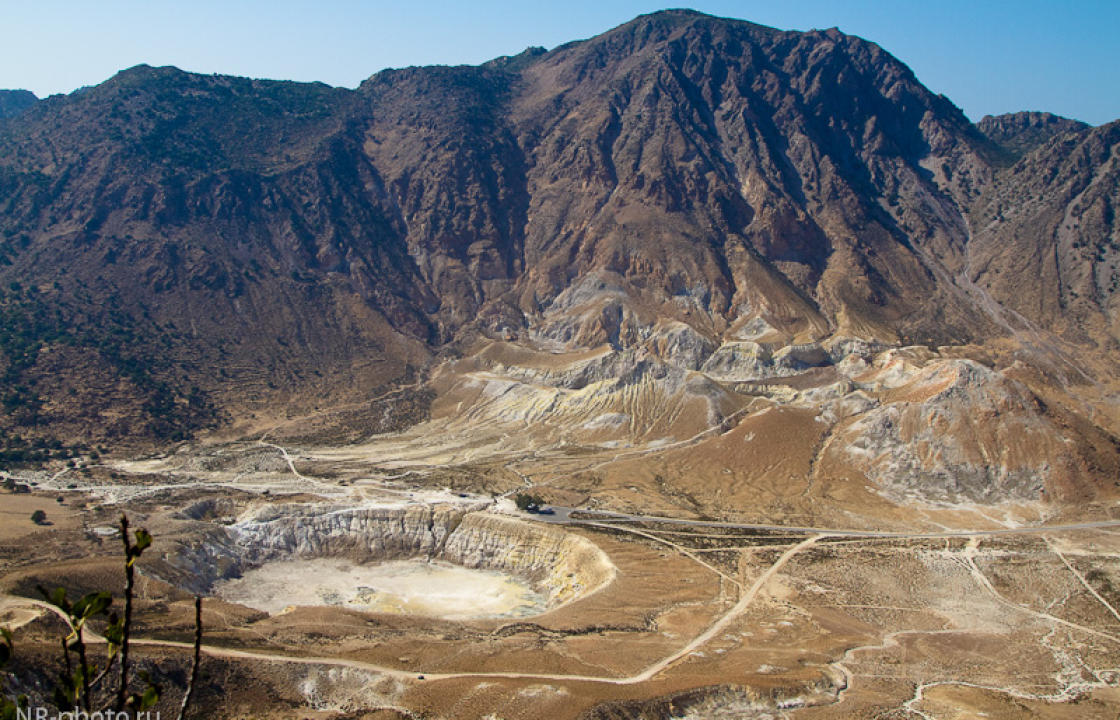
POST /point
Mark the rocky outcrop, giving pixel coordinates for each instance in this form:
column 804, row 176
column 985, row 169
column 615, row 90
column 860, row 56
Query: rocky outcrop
column 745, row 361
column 1021, row 132
column 955, row 432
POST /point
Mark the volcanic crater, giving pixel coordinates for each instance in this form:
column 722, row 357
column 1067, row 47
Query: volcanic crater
column 451, row 561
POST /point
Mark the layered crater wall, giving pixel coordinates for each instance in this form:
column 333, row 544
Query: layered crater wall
column 560, row 565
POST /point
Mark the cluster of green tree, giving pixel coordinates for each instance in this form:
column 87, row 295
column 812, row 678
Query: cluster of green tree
column 15, row 448
column 527, row 502
column 15, row 487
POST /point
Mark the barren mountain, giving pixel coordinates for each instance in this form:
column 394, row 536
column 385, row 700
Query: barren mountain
column 1046, row 241
column 818, row 378
column 690, row 193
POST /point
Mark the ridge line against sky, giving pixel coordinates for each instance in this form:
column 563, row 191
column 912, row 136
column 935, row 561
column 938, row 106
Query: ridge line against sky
column 990, row 57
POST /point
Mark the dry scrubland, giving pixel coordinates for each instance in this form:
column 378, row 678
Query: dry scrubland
column 819, row 375
column 932, row 602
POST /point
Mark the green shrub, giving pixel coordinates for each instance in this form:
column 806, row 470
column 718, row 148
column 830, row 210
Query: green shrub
column 528, row 503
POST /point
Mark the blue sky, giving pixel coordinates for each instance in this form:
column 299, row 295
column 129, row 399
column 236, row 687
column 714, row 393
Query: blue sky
column 988, row 56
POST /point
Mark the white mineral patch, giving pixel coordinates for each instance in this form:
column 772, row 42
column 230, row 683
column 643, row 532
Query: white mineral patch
column 607, row 420
column 413, row 587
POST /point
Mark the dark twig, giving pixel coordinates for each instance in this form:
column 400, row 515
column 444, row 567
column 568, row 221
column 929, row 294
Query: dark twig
column 129, row 554
column 83, row 663
column 96, row 682
column 197, row 656
column 69, row 666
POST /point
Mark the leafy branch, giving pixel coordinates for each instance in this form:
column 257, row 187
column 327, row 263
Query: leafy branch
column 79, row 682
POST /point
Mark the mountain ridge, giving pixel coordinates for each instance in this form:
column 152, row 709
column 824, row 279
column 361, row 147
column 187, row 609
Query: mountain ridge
column 14, row 102
column 305, row 240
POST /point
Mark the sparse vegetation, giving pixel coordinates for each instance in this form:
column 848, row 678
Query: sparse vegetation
column 32, row 322
column 39, row 517
column 84, row 686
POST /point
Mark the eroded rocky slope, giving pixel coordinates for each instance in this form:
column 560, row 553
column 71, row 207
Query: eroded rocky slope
column 624, row 239
column 1045, row 237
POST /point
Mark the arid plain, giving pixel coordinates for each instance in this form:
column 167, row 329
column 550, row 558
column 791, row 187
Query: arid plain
column 684, row 572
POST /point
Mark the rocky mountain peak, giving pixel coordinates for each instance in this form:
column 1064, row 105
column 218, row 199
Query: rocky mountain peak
column 1019, row 133
column 680, row 171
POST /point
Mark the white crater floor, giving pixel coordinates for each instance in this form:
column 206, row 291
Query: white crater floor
column 415, row 587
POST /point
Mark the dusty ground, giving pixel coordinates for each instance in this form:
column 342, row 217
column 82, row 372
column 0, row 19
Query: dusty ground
column 863, row 606
column 16, row 511
column 1012, row 626
column 415, row 587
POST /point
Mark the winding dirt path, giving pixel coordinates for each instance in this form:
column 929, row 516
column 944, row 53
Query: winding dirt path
column 969, row 555
column 736, row 610
column 719, row 625
column 1076, row 573
column 287, row 459
column 10, row 601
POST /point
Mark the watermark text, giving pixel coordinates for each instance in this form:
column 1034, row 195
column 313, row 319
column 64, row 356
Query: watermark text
column 42, row 713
